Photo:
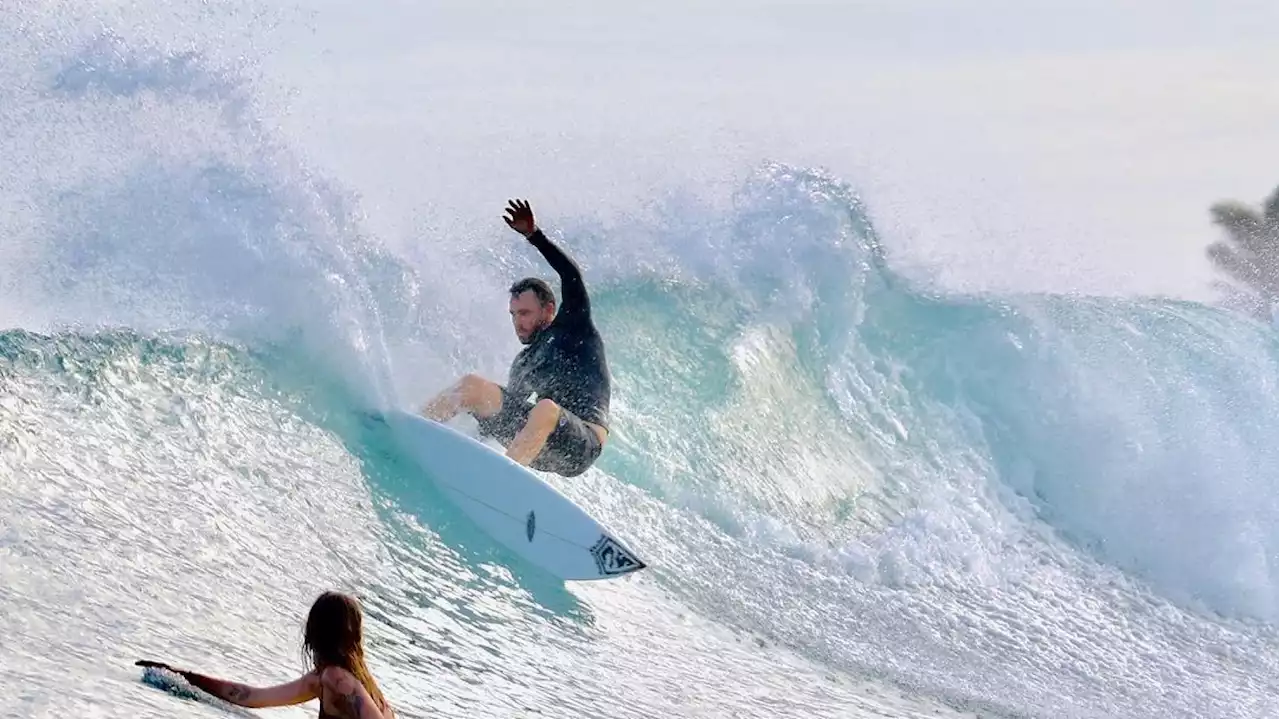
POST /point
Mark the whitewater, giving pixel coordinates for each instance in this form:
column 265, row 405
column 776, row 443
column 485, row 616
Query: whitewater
column 860, row 494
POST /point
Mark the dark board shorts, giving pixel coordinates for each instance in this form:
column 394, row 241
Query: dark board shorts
column 571, row 448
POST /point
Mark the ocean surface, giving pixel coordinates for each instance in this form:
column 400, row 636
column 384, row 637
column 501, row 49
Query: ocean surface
column 859, row 496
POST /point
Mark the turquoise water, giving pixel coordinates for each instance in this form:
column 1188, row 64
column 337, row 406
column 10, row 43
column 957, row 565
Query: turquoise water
column 858, row 496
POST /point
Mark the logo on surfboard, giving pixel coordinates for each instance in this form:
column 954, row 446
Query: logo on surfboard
column 612, row 559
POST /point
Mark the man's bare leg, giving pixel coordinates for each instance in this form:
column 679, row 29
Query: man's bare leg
column 531, row 438
column 472, row 393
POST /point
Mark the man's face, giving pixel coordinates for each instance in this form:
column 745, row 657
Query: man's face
column 528, row 315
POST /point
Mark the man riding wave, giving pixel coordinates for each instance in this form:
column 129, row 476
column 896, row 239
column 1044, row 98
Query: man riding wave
column 553, row 413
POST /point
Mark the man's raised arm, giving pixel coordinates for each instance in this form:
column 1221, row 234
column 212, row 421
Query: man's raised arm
column 573, row 290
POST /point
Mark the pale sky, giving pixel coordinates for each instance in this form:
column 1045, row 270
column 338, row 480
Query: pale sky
column 1000, row 144
column 1004, row 145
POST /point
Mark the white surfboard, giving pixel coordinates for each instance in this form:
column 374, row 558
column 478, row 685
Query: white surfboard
column 514, row 505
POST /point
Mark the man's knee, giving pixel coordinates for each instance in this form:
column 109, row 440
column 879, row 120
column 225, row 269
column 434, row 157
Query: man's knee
column 478, row 394
column 468, row 387
column 544, row 415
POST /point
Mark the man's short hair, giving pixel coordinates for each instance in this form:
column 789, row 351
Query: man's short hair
column 540, row 289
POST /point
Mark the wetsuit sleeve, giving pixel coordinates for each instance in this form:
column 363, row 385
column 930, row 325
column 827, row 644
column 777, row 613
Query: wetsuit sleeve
column 574, row 303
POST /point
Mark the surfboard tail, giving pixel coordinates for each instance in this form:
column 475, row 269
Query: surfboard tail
column 613, row 559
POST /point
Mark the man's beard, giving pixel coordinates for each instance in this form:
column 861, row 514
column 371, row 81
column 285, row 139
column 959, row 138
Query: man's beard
column 533, row 334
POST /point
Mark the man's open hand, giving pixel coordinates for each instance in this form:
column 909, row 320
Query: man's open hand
column 520, row 217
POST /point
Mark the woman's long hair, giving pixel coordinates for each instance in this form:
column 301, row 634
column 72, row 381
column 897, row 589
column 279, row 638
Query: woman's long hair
column 335, row 637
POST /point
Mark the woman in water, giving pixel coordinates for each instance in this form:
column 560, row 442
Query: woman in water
column 338, row 677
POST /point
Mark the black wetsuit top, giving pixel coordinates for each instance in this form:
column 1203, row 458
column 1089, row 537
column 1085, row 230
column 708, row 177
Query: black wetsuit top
column 565, row 361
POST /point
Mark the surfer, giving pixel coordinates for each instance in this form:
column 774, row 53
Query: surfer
column 562, row 365
column 339, row 677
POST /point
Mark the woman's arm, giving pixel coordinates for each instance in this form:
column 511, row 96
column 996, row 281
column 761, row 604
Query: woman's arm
column 303, row 689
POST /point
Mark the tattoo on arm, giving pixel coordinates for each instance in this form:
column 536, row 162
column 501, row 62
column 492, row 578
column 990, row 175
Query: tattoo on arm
column 349, row 696
column 237, row 692
column 230, row 691
column 353, row 703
